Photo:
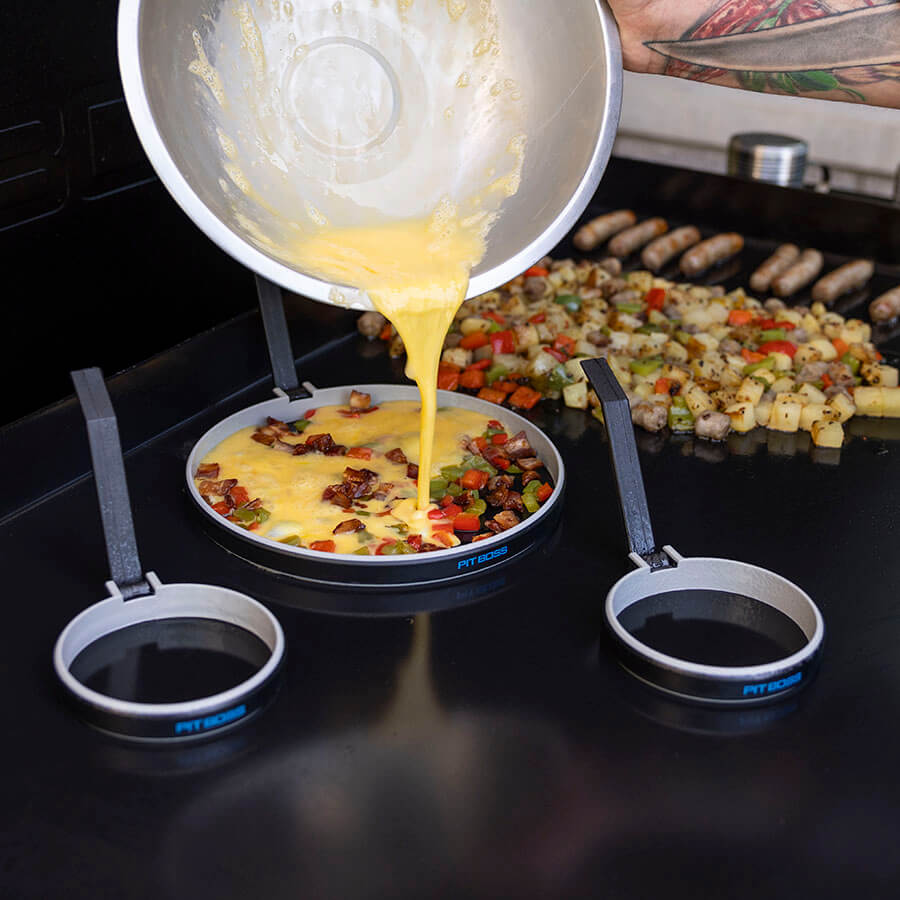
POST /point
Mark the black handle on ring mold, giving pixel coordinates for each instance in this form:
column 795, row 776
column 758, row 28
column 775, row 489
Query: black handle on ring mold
column 112, row 487
column 625, row 463
column 281, row 355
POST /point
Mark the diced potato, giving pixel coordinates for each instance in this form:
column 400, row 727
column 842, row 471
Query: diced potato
column 890, row 399
column 856, row 331
column 618, row 340
column 750, row 391
column 526, row 336
column 806, row 354
column 832, row 324
column 723, row 398
column 720, row 332
column 643, row 344
column 883, row 376
column 698, row 401
column 619, row 366
column 785, row 416
column 783, row 363
column 675, row 351
column 458, row 356
column 763, row 412
column 767, row 375
column 789, row 315
column 742, row 415
column 812, row 394
column 707, row 340
column 632, row 323
column 842, row 407
column 736, row 362
column 825, row 347
column 789, row 397
column 573, row 367
column 699, row 316
column 810, row 324
column 675, row 373
column 782, row 385
column 575, row 396
column 512, row 362
column 585, row 348
column 828, row 434
column 818, row 309
column 471, row 324
column 728, row 378
column 644, row 390
column 641, row 281
column 870, row 401
column 542, row 364
column 812, row 412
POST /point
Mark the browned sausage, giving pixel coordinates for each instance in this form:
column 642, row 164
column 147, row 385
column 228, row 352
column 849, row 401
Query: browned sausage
column 657, row 253
column 710, row 252
column 611, row 265
column 849, row 277
column 799, row 275
column 886, row 307
column 626, row 242
column 780, row 261
column 601, row 229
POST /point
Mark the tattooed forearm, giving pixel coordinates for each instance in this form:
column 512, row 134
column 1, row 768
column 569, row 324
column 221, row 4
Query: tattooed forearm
column 836, row 49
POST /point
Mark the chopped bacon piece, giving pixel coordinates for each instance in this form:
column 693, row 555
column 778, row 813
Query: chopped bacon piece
column 517, row 446
column 283, row 446
column 351, row 526
column 529, row 476
column 239, row 495
column 208, row 470
column 506, row 520
column 529, row 464
column 482, row 537
column 358, row 400
column 360, row 453
column 412, row 471
column 262, row 438
column 220, row 488
column 397, row 456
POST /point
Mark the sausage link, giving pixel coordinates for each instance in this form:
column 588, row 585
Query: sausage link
column 849, row 277
column 601, row 229
column 626, row 242
column 780, row 261
column 886, row 307
column 710, row 252
column 657, row 253
column 799, row 275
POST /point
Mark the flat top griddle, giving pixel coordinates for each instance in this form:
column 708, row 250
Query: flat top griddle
column 494, row 750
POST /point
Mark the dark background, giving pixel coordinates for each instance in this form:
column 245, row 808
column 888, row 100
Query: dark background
column 100, row 267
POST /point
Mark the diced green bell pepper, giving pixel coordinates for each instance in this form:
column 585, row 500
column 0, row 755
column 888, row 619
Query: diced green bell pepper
column 478, row 508
column 571, row 302
column 850, row 360
column 629, row 308
column 772, row 334
column 767, row 363
column 680, row 420
column 645, row 366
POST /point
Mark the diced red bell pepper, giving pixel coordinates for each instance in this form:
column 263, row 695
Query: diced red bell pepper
column 387, row 332
column 480, row 364
column 360, row 453
column 506, row 386
column 323, row 546
column 739, row 317
column 495, row 317
column 441, row 527
column 385, row 543
column 503, row 342
column 752, row 356
column 480, row 442
column 491, row 395
column 662, row 386
column 448, row 377
column 558, row 355
column 452, row 511
column 656, row 298
column 787, row 326
column 778, row 347
column 415, row 541
column 501, row 462
column 473, row 379
column 474, row 479
column 466, row 523
column 524, row 397
column 494, row 425
column 446, row 500
column 309, row 413
column 222, row 508
column 842, row 347
column 538, row 318
column 239, row 495
column 544, row 492
column 766, row 324
column 474, row 340
column 565, row 343
column 537, row 272
column 443, row 536
column 498, row 440
column 436, row 514
column 826, row 381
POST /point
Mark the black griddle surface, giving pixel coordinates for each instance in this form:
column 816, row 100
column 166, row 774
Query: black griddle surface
column 495, row 750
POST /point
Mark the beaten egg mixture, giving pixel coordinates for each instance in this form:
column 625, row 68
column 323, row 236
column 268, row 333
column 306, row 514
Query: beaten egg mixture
column 291, row 487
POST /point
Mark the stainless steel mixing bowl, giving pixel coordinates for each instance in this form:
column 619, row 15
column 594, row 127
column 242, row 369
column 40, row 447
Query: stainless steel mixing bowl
column 564, row 58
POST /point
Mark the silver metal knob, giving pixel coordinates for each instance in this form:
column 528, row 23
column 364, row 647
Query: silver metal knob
column 775, row 158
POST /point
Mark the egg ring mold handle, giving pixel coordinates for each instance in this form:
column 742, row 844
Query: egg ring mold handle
column 136, row 598
column 664, row 570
